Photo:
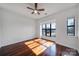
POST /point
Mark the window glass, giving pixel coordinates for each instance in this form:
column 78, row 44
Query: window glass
column 70, row 21
column 53, row 25
column 48, row 26
column 48, row 32
column 43, row 26
column 43, row 32
column 53, row 33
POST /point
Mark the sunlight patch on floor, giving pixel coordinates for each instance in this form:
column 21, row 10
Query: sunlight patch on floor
column 38, row 50
column 48, row 44
column 29, row 42
column 38, row 45
column 33, row 45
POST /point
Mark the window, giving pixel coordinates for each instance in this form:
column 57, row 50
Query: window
column 49, row 30
column 43, row 29
column 53, row 29
column 71, row 26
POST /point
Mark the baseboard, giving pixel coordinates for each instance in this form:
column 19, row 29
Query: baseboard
column 48, row 40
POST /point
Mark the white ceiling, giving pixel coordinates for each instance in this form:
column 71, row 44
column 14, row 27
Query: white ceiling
column 50, row 8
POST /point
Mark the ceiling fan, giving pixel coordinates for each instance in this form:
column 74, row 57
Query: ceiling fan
column 35, row 9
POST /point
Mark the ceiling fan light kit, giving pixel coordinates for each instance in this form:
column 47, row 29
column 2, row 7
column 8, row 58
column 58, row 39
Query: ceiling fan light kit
column 35, row 11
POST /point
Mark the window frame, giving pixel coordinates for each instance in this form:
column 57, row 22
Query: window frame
column 73, row 26
column 50, row 29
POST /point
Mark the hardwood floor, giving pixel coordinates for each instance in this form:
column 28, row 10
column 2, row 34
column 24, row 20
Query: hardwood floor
column 36, row 47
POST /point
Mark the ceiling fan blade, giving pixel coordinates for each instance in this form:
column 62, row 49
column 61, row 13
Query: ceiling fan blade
column 41, row 9
column 32, row 12
column 35, row 5
column 38, row 13
column 30, row 8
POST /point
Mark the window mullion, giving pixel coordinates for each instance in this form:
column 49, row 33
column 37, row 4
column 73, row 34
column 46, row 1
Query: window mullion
column 50, row 30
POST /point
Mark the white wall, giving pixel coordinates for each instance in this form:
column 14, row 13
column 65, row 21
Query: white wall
column 78, row 29
column 0, row 28
column 61, row 27
column 16, row 27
